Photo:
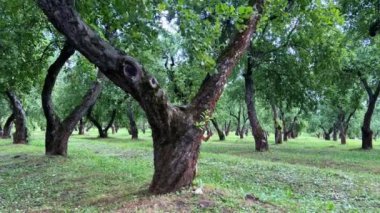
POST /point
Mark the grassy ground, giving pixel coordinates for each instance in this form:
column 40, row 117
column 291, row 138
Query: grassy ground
column 302, row 175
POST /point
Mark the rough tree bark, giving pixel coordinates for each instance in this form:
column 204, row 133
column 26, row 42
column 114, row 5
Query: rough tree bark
column 261, row 142
column 8, row 127
column 276, row 125
column 176, row 136
column 367, row 133
column 132, row 124
column 103, row 132
column 58, row 131
column 221, row 135
column 20, row 136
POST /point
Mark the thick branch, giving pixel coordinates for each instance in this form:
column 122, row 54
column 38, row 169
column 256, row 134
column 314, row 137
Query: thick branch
column 212, row 86
column 88, row 100
column 365, row 85
column 377, row 91
column 51, row 77
column 121, row 69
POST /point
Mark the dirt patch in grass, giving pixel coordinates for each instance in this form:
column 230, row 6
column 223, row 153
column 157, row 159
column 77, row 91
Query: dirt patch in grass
column 211, row 200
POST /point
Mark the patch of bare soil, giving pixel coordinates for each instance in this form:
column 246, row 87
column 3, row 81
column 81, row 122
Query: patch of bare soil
column 188, row 201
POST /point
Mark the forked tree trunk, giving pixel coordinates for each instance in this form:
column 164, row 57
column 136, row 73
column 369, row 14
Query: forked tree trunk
column 220, row 132
column 8, row 127
column 176, row 137
column 132, row 124
column 81, row 127
column 20, row 136
column 343, row 127
column 103, row 132
column 58, row 132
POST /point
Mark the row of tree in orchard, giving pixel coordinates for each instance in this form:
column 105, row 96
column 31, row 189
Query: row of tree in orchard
column 285, row 66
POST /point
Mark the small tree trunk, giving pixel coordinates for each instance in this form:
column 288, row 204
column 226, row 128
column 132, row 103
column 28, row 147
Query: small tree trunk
column 276, row 125
column 132, row 124
column 21, row 134
column 220, row 132
column 237, row 132
column 81, row 127
column 367, row 133
column 326, row 136
column 8, row 127
column 116, row 127
column 335, row 134
column 143, row 128
column 242, row 130
column 284, row 130
column 227, row 127
column 343, row 136
column 113, row 129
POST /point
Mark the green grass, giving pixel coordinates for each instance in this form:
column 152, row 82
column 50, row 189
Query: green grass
column 302, row 175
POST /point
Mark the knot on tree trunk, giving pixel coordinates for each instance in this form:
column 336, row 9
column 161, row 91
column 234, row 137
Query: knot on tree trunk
column 131, row 69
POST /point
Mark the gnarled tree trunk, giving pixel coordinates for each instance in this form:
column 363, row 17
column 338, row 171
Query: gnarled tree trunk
column 20, row 136
column 176, row 137
column 103, row 132
column 58, row 132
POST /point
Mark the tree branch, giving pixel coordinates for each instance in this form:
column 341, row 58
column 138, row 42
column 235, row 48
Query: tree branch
column 365, row 84
column 51, row 77
column 88, row 100
column 212, row 87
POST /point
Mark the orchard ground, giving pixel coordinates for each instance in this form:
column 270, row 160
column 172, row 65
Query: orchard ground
column 100, row 175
